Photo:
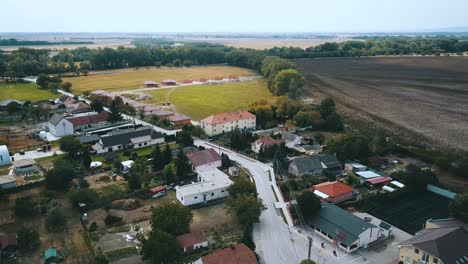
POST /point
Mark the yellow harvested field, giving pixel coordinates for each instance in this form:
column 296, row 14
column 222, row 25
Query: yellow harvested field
column 129, row 79
column 200, row 101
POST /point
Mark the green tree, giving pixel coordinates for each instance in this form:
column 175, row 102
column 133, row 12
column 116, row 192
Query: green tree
column 247, row 208
column 169, row 172
column 66, row 86
column 334, row 123
column 136, row 174
column 85, row 195
column 172, row 218
column 459, row 207
column 100, row 259
column 58, row 178
column 320, row 138
column 184, row 137
column 327, row 107
column 167, row 154
column 308, row 204
column 225, row 161
column 161, row 247
column 43, row 81
column 287, row 82
column 264, row 115
column 25, row 207
column 97, row 105
column 114, row 115
column 55, row 217
column 187, row 63
column 182, row 165
column 13, row 108
column 242, row 186
column 28, row 239
column 157, row 162
column 86, row 157
column 177, row 62
column 71, row 146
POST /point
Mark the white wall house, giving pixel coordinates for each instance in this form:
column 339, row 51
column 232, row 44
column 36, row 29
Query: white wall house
column 211, row 185
column 4, row 156
column 207, row 159
column 227, row 122
column 128, row 139
column 59, row 126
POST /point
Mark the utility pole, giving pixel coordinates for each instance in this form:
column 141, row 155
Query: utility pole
column 310, row 248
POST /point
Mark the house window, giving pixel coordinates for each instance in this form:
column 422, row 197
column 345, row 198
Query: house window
column 195, row 197
column 222, row 191
column 416, row 251
column 408, row 260
column 425, row 257
column 436, row 261
column 145, row 143
column 139, row 145
column 212, row 194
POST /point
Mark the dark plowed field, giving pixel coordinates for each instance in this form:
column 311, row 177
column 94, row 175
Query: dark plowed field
column 421, row 97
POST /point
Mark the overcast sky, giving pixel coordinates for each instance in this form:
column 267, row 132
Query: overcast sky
column 230, row 16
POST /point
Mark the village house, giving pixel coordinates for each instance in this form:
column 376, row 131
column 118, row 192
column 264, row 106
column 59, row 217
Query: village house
column 333, row 192
column 211, row 186
column 204, row 160
column 148, row 84
column 351, row 166
column 169, row 82
column 5, row 158
column 7, row 182
column 264, row 143
column 192, row 241
column 313, row 165
column 179, row 119
column 347, row 230
column 67, row 125
column 226, row 122
column 128, row 139
column 65, row 100
column 443, row 241
column 235, row 254
column 378, row 181
column 25, row 166
column 292, row 140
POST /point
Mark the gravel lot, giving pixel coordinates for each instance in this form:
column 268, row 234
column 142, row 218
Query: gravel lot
column 425, row 98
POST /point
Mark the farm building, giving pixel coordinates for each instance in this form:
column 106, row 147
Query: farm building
column 291, row 140
column 204, row 160
column 310, row 149
column 179, row 119
column 263, row 143
column 333, row 192
column 226, row 122
column 313, row 165
column 128, row 139
column 88, row 120
column 192, row 241
column 169, row 82
column 150, row 84
column 367, row 175
column 157, row 190
column 59, row 126
column 7, row 182
column 233, row 171
column 347, row 230
column 438, row 243
column 354, row 167
column 159, row 112
column 5, row 158
column 25, row 166
column 377, row 181
column 211, row 186
column 236, row 254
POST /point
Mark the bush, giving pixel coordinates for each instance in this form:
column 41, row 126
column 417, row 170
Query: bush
column 112, row 220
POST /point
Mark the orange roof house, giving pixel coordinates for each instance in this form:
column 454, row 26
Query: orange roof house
column 333, row 192
column 238, row 254
column 226, row 122
column 265, row 142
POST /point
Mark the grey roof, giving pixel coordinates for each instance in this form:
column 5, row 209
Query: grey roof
column 448, row 222
column 449, row 244
column 124, row 137
column 385, row 225
column 55, row 119
column 288, row 136
column 84, row 139
column 309, row 163
column 330, row 161
column 340, row 224
column 24, row 162
column 311, row 147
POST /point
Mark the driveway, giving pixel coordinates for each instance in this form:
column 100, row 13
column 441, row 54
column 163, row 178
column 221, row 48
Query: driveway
column 34, row 154
column 277, row 241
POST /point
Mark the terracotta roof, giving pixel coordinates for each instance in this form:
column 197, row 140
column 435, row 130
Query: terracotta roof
column 333, row 189
column 157, row 189
column 239, row 254
column 378, row 180
column 228, row 117
column 203, row 157
column 88, row 119
column 190, row 239
column 267, row 141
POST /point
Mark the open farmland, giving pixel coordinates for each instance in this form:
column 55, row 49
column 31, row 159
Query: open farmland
column 24, row 92
column 200, row 101
column 128, row 79
column 425, row 98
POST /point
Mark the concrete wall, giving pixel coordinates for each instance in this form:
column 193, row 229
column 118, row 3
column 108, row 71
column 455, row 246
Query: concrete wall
column 207, row 166
column 407, row 253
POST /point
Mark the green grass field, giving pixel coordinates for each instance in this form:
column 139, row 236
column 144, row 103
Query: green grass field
column 128, row 79
column 200, row 101
column 24, row 92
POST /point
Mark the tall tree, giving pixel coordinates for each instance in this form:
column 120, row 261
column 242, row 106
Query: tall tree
column 167, row 154
column 28, row 239
column 327, row 107
column 25, row 207
column 114, row 115
column 161, row 247
column 459, row 207
column 59, row 177
column 242, row 186
column 55, row 216
column 86, row 157
column 158, row 161
column 97, row 105
column 182, row 165
column 247, row 208
column 172, row 218
column 71, row 146
column 308, row 204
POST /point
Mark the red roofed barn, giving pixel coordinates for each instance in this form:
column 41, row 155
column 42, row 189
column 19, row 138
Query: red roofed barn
column 204, row 160
column 226, row 122
column 333, row 192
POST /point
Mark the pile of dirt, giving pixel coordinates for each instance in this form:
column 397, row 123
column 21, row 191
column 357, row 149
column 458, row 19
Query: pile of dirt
column 125, row 204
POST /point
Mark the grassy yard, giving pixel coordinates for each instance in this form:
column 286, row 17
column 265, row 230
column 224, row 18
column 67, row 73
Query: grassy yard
column 128, row 79
column 200, row 101
column 24, row 92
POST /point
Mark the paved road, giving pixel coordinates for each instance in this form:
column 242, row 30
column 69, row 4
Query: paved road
column 276, row 241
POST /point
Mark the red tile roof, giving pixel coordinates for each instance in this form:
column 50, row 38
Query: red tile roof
column 88, row 119
column 157, row 189
column 203, row 157
column 190, row 239
column 378, row 180
column 333, row 189
column 228, row 117
column 268, row 141
column 239, row 254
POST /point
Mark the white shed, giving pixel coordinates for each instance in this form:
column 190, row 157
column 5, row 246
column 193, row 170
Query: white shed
column 4, row 156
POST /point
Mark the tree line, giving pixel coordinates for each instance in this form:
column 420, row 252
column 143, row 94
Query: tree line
column 15, row 42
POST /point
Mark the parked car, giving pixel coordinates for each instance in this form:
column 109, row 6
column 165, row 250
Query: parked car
column 158, row 195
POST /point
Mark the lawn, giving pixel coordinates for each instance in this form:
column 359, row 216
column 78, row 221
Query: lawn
column 128, row 79
column 200, row 101
column 24, row 92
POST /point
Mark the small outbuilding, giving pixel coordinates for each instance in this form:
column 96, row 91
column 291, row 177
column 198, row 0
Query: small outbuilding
column 192, row 241
column 7, row 182
column 50, row 255
column 150, row 84
column 126, row 165
column 233, row 171
column 157, row 191
column 169, row 82
column 25, row 166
